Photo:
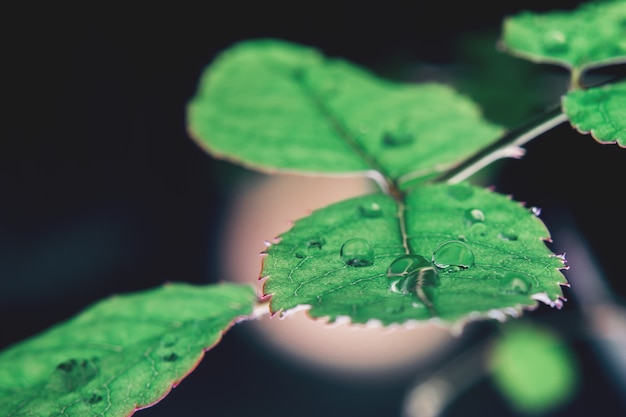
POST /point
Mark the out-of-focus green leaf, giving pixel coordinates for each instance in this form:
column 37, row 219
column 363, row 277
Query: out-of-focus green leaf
column 121, row 354
column 592, row 35
column 278, row 106
column 534, row 369
column 480, row 255
column 600, row 111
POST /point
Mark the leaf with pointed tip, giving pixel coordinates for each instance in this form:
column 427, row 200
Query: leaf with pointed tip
column 278, row 106
column 495, row 262
column 600, row 111
column 121, row 354
column 592, row 35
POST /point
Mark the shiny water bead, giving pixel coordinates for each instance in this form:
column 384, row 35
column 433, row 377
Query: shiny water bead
column 357, row 253
column 453, row 256
column 408, row 272
column 515, row 283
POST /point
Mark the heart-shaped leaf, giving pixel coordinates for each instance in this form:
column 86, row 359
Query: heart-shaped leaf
column 592, row 35
column 600, row 111
column 273, row 105
column 120, row 355
column 447, row 252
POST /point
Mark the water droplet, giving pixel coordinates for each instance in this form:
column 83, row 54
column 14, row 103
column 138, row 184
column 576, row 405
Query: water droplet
column 515, row 283
column 509, row 235
column 555, row 41
column 395, row 309
column 168, row 341
column 170, row 357
column 370, row 210
column 399, row 135
column 407, row 272
column 479, row 229
column 453, row 256
column 94, row 398
column 474, row 216
column 535, row 210
column 460, row 192
column 73, row 374
column 311, row 247
column 357, row 252
column 315, row 244
column 397, row 139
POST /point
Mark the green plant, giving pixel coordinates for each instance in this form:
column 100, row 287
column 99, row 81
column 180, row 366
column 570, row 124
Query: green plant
column 391, row 256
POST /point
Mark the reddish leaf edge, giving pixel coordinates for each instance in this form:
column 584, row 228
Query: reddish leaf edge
column 201, row 355
column 455, row 327
column 591, row 132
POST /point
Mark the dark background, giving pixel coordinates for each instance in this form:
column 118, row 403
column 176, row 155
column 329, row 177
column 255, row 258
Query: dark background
column 103, row 192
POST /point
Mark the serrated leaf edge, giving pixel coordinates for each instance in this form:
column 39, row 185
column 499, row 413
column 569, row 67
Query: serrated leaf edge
column 592, row 132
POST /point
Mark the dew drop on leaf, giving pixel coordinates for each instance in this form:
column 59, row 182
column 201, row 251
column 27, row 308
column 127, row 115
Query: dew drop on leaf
column 170, row 357
column 400, row 135
column 370, row 210
column 555, row 41
column 460, row 192
column 478, row 229
column 395, row 309
column 315, row 244
column 311, row 247
column 397, row 139
column 168, row 340
column 509, row 235
column 453, row 256
column 515, row 283
column 73, row 374
column 357, row 253
column 94, row 398
column 474, row 216
column 407, row 272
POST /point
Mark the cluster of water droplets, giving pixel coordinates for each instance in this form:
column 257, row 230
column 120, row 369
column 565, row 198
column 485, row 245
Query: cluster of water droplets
column 410, row 272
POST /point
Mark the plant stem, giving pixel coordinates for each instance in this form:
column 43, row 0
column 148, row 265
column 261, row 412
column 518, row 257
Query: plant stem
column 507, row 146
column 433, row 395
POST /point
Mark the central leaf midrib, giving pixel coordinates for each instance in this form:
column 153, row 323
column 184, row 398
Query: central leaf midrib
column 360, row 151
column 342, row 131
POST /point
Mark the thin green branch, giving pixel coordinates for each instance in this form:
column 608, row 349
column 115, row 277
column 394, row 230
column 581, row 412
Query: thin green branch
column 507, row 146
column 434, row 394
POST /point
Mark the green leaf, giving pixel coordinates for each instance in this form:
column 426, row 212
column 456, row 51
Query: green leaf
column 273, row 105
column 592, row 35
column 121, row 354
column 600, row 111
column 496, row 262
column 534, row 369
